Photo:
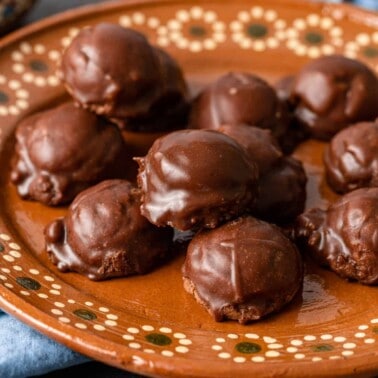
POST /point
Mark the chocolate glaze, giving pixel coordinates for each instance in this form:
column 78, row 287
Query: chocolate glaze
column 261, row 146
column 332, row 92
column 351, row 158
column 104, row 235
column 171, row 109
column 284, row 87
column 112, row 70
column 282, row 182
column 196, row 178
column 240, row 98
column 115, row 72
column 282, row 192
column 296, row 132
column 345, row 236
column 63, row 150
column 242, row 270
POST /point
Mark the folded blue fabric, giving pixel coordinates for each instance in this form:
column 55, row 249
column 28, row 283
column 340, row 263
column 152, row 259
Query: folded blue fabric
column 25, row 352
column 371, row 4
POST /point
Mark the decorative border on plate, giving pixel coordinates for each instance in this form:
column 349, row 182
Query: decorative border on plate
column 164, row 340
column 197, row 30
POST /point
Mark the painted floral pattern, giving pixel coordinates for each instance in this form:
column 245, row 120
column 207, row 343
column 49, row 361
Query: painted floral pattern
column 242, row 348
column 364, row 45
column 13, row 97
column 258, row 29
column 35, row 65
column 195, row 29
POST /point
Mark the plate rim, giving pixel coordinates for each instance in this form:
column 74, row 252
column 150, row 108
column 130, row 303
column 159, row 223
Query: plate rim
column 135, row 360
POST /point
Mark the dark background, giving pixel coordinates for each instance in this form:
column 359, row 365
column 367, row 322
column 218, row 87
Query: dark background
column 45, row 8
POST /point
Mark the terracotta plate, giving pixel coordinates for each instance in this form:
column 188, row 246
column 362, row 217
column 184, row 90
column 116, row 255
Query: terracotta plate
column 149, row 324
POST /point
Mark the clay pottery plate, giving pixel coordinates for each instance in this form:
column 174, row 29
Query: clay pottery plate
column 149, row 324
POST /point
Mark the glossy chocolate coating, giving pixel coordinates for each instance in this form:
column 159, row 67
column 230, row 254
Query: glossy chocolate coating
column 112, row 70
column 104, row 235
column 115, row 72
column 196, row 178
column 345, row 236
column 261, row 146
column 284, row 87
column 332, row 92
column 240, row 98
column 242, row 270
column 63, row 150
column 171, row 109
column 282, row 181
column 282, row 192
column 351, row 158
column 296, row 133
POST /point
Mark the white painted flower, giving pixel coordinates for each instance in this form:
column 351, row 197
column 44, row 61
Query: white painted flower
column 364, row 46
column 194, row 29
column 66, row 40
column 139, row 20
column 35, row 64
column 176, row 342
column 239, row 347
column 258, row 29
column 13, row 98
column 314, row 36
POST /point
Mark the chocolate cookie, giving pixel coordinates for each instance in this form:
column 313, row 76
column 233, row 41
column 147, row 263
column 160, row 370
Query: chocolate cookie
column 240, row 98
column 242, row 270
column 282, row 192
column 333, row 92
column 282, row 179
column 115, row 72
column 351, row 158
column 104, row 235
column 344, row 237
column 61, row 151
column 196, row 178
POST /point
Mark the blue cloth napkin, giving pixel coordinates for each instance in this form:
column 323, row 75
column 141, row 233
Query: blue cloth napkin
column 25, row 352
column 371, row 4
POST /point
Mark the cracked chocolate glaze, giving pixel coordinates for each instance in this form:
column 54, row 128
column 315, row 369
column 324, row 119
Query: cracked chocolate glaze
column 63, row 150
column 196, row 178
column 344, row 237
column 333, row 92
column 242, row 270
column 282, row 179
column 112, row 70
column 351, row 158
column 241, row 98
column 104, row 235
